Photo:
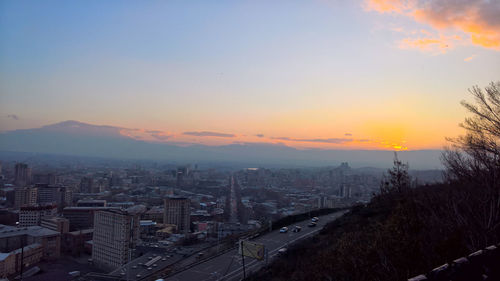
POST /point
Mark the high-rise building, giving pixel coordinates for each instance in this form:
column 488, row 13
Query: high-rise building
column 115, row 180
column 345, row 191
column 25, row 196
column 115, row 233
column 66, row 197
column 86, row 184
column 49, row 194
column 60, row 195
column 182, row 174
column 22, row 175
column 32, row 215
column 49, row 179
column 178, row 211
column 100, row 185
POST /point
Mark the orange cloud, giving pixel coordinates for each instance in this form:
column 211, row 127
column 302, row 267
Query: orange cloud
column 150, row 135
column 423, row 44
column 478, row 19
column 439, row 44
column 469, row 58
column 388, row 6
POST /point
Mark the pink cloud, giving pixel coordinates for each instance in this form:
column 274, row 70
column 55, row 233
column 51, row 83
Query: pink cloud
column 434, row 44
column 389, row 6
column 479, row 20
column 467, row 59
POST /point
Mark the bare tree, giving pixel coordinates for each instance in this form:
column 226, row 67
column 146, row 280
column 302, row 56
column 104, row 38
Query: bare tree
column 477, row 153
column 474, row 158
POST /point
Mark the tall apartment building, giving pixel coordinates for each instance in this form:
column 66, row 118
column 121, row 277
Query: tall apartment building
column 60, row 195
column 32, row 215
column 49, row 179
column 22, row 175
column 178, row 211
column 25, row 196
column 100, row 185
column 48, row 194
column 345, row 191
column 115, row 233
column 86, row 184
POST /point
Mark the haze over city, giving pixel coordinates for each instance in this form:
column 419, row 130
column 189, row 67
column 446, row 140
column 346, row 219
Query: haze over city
column 167, row 140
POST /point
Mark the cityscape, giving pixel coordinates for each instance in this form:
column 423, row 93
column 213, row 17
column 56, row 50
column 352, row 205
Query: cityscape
column 279, row 140
column 107, row 219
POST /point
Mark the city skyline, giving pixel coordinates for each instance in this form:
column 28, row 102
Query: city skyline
column 318, row 74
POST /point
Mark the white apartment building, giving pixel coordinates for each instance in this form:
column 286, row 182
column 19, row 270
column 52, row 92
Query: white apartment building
column 115, row 233
column 32, row 215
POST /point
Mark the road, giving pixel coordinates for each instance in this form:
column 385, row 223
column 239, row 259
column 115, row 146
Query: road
column 229, row 265
column 233, row 204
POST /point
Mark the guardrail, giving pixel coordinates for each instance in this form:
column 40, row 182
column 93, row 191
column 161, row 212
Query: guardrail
column 480, row 265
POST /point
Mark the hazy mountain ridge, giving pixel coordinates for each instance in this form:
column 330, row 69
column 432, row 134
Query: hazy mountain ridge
column 81, row 139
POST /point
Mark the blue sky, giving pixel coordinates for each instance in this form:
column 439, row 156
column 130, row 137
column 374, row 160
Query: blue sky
column 300, row 69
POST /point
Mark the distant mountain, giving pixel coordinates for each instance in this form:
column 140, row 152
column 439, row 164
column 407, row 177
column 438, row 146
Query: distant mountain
column 71, row 127
column 81, row 139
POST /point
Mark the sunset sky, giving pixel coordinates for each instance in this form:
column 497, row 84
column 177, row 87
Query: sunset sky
column 346, row 74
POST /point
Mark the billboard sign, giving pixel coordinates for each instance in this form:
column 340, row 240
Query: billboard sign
column 252, row 249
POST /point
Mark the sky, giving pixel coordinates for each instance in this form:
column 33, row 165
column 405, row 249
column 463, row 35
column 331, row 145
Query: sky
column 337, row 74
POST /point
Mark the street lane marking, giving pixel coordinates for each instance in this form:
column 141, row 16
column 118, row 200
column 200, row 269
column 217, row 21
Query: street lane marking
column 275, row 233
column 255, row 262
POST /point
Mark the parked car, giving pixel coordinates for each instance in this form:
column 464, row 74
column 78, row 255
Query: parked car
column 284, row 229
column 297, row 228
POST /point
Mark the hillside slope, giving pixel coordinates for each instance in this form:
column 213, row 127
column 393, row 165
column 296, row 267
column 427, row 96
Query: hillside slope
column 395, row 237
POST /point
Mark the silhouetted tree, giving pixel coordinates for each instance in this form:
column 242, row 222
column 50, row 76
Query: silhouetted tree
column 477, row 153
column 398, row 179
column 474, row 158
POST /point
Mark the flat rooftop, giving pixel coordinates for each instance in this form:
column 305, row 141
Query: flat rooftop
column 35, row 231
column 89, row 208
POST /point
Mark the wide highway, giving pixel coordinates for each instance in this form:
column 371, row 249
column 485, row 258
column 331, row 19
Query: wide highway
column 229, row 265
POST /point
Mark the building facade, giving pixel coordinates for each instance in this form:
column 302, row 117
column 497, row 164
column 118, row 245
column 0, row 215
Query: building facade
column 115, row 233
column 13, row 238
column 22, row 175
column 82, row 217
column 177, row 211
column 58, row 224
column 32, row 215
column 25, row 196
column 86, row 184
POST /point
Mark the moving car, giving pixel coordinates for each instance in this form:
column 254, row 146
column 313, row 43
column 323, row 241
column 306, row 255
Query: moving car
column 284, row 229
column 282, row 251
column 315, row 219
column 297, row 228
column 312, row 224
